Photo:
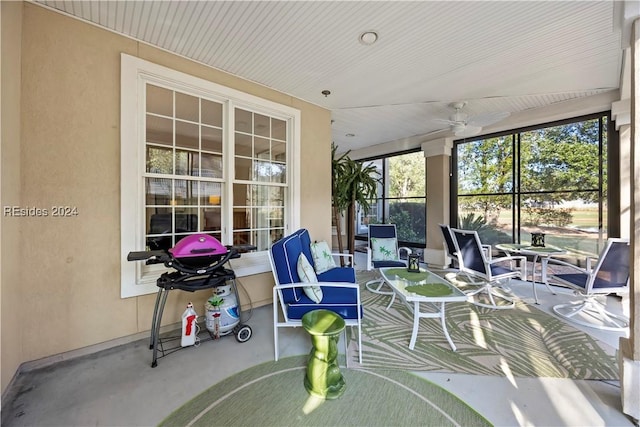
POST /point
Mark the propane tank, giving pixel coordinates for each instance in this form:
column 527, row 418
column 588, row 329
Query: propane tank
column 189, row 326
column 221, row 312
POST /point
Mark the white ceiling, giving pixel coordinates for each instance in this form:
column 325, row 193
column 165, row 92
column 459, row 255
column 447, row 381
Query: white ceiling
column 509, row 56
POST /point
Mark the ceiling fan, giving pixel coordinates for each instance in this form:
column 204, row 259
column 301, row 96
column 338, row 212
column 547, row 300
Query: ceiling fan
column 464, row 125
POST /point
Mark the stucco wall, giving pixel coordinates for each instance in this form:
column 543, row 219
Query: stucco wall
column 70, row 155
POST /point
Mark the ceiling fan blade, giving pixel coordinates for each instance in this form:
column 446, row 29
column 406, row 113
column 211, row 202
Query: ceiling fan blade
column 468, row 131
column 487, row 119
column 445, row 121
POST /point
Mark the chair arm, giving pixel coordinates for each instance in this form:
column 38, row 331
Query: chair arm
column 369, row 258
column 549, row 260
column 277, row 288
column 511, row 258
column 487, row 251
column 508, row 258
column 327, row 284
column 405, row 249
column 349, row 257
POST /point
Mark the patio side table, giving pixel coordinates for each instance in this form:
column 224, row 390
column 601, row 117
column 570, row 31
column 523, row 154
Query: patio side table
column 323, row 377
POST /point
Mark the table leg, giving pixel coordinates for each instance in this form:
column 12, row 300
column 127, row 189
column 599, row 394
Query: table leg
column 444, row 327
column 416, row 324
column 417, row 315
column 533, row 278
column 543, row 274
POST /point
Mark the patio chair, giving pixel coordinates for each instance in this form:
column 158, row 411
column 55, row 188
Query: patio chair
column 335, row 289
column 610, row 276
column 383, row 251
column 473, row 260
column 450, row 248
column 449, row 245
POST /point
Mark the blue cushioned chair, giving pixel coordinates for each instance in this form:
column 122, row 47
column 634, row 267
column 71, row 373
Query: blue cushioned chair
column 341, row 293
column 610, row 276
column 381, row 259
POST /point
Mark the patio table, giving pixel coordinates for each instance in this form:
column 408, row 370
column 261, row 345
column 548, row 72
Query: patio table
column 538, row 252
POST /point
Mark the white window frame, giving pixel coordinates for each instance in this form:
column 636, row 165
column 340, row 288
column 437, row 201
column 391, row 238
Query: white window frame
column 135, row 74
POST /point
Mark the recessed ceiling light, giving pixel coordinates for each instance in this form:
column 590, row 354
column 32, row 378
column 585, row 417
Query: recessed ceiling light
column 350, row 135
column 368, row 37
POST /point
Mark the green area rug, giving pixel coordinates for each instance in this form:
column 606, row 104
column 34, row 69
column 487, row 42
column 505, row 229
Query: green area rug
column 522, row 342
column 273, row 394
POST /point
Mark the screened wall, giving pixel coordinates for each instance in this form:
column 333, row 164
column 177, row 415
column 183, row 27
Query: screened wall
column 400, row 198
column 553, row 179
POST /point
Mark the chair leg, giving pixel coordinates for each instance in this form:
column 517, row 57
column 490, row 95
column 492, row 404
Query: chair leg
column 393, row 298
column 275, row 331
column 491, row 292
column 581, row 311
column 370, row 285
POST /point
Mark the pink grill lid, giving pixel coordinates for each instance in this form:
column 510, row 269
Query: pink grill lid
column 198, row 245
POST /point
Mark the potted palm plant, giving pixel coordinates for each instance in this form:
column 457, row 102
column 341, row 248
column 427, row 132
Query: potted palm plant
column 352, row 184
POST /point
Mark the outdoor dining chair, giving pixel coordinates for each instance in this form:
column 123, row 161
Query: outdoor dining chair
column 610, row 276
column 473, row 260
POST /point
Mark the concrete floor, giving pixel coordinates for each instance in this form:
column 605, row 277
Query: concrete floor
column 117, row 387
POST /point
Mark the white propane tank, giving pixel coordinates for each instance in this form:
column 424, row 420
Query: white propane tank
column 229, row 316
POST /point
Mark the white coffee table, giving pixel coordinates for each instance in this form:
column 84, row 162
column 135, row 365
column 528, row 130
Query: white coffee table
column 424, row 287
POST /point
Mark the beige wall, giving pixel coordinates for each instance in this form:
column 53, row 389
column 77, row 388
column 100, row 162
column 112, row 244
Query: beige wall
column 10, row 286
column 70, row 155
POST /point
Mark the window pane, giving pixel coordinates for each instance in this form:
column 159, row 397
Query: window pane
column 243, row 168
column 186, row 220
column 278, row 151
column 241, row 217
column 159, row 100
column 407, row 175
column 158, row 191
column 485, row 166
column 186, row 163
column 211, row 113
column 569, row 220
column 211, row 139
column 187, row 107
column 261, row 148
column 278, row 129
column 211, row 219
column 560, row 158
column 277, row 198
column 187, row 135
column 186, row 192
column 159, row 226
column 276, row 217
column 243, row 145
column 159, row 160
column 262, row 171
column 210, row 193
column 262, row 239
column 211, row 165
column 409, row 218
column 261, row 125
column 491, row 216
column 159, row 130
column 244, row 121
column 278, row 173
